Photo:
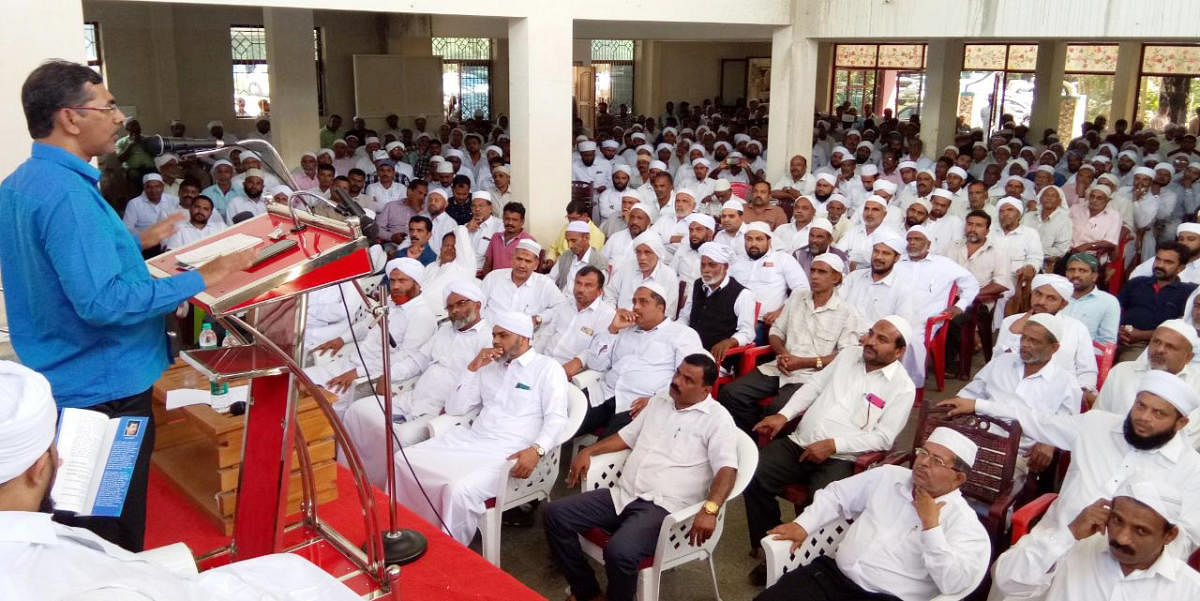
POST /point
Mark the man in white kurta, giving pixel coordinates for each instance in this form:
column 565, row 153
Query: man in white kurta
column 646, row 265
column 770, row 274
column 929, row 280
column 1050, row 294
column 200, row 224
column 521, row 399
column 567, row 334
column 520, row 288
column 327, row 315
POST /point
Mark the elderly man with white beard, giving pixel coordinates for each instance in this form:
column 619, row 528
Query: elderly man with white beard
column 1050, row 293
column 931, row 277
column 647, row 265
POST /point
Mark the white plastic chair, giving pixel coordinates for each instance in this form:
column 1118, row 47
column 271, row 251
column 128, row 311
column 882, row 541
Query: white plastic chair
column 591, row 381
column 537, row 487
column 781, row 559
column 673, row 547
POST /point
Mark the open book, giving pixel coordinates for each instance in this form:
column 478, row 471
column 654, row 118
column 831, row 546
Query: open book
column 98, row 455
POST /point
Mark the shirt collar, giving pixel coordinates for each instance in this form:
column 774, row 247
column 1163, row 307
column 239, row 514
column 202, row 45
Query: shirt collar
column 27, row 527
column 525, row 358
column 705, row 406
column 724, row 282
column 57, row 155
column 1171, row 450
column 1166, row 566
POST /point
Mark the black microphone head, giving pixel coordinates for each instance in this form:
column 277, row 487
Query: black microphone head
column 158, row 145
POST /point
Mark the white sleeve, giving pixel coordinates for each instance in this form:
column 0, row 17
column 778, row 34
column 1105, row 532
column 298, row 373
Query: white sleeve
column 1026, row 570
column 743, row 307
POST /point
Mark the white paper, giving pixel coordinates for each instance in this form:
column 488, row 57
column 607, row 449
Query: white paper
column 223, row 246
column 81, row 437
column 182, row 397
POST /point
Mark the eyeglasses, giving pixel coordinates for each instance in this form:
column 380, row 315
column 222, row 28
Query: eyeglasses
column 111, row 107
column 938, row 461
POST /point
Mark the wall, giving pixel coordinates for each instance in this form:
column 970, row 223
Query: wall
column 689, row 71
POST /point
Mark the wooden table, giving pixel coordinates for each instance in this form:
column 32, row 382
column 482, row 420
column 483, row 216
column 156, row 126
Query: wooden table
column 200, row 451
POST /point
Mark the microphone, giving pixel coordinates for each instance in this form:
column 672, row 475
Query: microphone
column 369, row 227
column 159, row 145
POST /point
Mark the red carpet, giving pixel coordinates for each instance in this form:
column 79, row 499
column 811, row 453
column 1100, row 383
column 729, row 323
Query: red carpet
column 448, row 571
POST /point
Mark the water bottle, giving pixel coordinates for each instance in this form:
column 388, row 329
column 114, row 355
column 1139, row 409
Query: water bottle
column 218, row 391
column 208, row 338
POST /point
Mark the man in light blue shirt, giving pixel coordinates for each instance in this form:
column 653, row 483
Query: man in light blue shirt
column 1097, row 309
column 82, row 307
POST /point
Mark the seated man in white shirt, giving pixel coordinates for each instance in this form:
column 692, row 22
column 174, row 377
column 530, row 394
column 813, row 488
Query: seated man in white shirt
column 1031, row 377
column 684, row 451
column 200, row 224
column 878, row 288
column 914, row 535
column 732, row 227
column 858, row 242
column 1075, row 355
column 797, row 182
column 567, row 334
column 685, row 261
column 930, row 279
column 768, row 273
column 47, row 560
column 1114, row 549
column 719, row 308
column 482, row 226
column 637, row 353
column 856, row 404
column 619, row 245
column 647, row 265
column 254, row 202
column 520, row 288
column 151, row 206
column 521, row 399
column 579, row 254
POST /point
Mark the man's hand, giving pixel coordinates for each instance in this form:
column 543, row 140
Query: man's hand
column 719, row 349
column 485, row 356
column 928, row 510
column 819, row 451
column 1092, row 520
column 790, row 531
column 1039, row 457
column 1125, row 335
column 526, row 460
column 155, row 234
column 770, row 425
column 225, row 265
column 769, row 318
column 579, row 467
column 342, row 383
column 785, row 363
column 621, row 320
column 473, row 226
column 958, row 406
column 398, row 237
column 330, row 346
column 638, row 404
column 573, row 367
column 381, row 386
column 702, row 528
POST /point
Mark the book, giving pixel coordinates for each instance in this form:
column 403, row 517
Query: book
column 98, row 454
column 197, row 257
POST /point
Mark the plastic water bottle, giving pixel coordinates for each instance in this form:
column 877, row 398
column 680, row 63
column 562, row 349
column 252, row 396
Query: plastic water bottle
column 208, row 338
column 218, row 391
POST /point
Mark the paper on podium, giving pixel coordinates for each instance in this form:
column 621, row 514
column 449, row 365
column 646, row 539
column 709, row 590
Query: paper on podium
column 222, row 246
column 182, row 397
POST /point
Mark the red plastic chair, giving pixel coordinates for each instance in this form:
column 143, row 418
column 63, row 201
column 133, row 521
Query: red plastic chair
column 740, row 189
column 1027, row 515
column 1116, row 263
column 1105, row 354
column 935, row 344
column 733, row 352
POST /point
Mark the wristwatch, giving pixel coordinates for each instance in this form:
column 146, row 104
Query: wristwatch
column 539, row 450
column 711, row 508
column 820, row 363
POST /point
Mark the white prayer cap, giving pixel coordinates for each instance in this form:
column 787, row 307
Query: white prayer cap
column 1062, row 286
column 247, row 155
column 838, row 196
column 919, row 229
column 623, row 168
column 902, row 326
column 944, row 193
column 806, row 198
column 850, row 158
column 922, row 202
column 670, row 130
column 907, row 165
column 717, row 252
column 163, row 159
column 956, row 170
column 1100, row 188
column 956, row 441
column 889, row 239
column 1193, row 165
column 1190, row 228
column 877, row 200
column 531, row 246
column 1045, row 169
column 371, row 140
column 152, row 177
column 663, row 146
column 654, row 287
column 685, row 192
column 219, row 162
column 641, row 206
column 437, row 158
column 637, row 135
column 1052, row 323
column 651, row 240
column 828, row 178
column 1185, row 329
column 759, row 226
column 1101, row 158
column 1088, row 166
column 454, row 153
column 1152, row 157
column 325, row 151
column 495, row 149
column 612, row 144
column 214, row 123
column 721, row 185
column 579, row 138
column 847, row 118
column 701, row 161
column 1014, row 202
column 440, row 192
column 831, row 260
column 1127, row 153
column 722, row 143
column 734, row 204
column 1146, row 171
column 409, row 267
column 380, row 155
column 869, row 170
column 393, row 145
column 661, row 166
column 445, row 167
column 821, row 223
column 840, row 149
column 587, row 146
column 979, row 145
column 502, row 169
column 27, row 418
column 249, row 173
column 484, row 194
column 951, row 147
column 514, row 321
column 1165, row 167
column 1160, row 494
column 281, row 189
column 754, row 143
column 884, row 185
column 466, row 288
column 340, row 141
column 578, row 227
column 704, row 220
column 866, row 145
column 1111, row 178
column 739, row 138
column 308, row 153
column 1171, row 388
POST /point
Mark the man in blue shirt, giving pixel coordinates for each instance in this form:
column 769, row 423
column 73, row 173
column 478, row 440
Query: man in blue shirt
column 82, row 307
column 1095, row 308
column 1148, row 301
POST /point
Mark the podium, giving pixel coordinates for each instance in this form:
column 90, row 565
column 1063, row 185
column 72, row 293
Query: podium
column 264, row 307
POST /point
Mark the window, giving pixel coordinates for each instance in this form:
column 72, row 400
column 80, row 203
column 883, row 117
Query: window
column 319, row 58
column 466, row 76
column 1169, row 85
column 996, row 71
column 251, row 86
column 613, row 64
column 1087, row 85
column 91, row 46
column 881, row 76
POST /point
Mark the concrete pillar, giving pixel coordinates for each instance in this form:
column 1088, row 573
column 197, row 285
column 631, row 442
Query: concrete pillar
column 293, row 78
column 1047, row 89
column 793, row 98
column 824, row 75
column 940, row 107
column 644, row 79
column 540, row 80
column 1125, row 81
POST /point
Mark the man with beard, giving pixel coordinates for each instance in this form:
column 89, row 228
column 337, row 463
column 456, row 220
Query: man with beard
column 521, row 399
column 607, row 206
column 686, row 260
column 931, row 277
column 719, row 308
column 917, row 213
column 1187, row 234
column 567, row 334
column 1172, row 349
column 589, row 168
column 823, row 188
column 770, row 274
column 199, row 225
column 619, row 245
column 1096, row 309
column 880, row 290
column 1146, row 302
column 819, row 242
column 858, row 242
column 1050, row 293
column 579, row 254
column 1029, row 377
column 1107, row 448
column 253, row 202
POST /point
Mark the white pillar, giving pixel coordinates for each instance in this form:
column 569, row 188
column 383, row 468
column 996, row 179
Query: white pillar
column 793, row 98
column 293, row 78
column 1125, row 82
column 1047, row 89
column 540, row 74
column 940, row 107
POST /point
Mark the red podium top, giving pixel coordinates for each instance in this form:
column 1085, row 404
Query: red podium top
column 327, row 252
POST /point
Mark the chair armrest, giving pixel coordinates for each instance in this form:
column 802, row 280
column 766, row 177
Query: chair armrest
column 738, row 350
column 604, row 470
column 897, row 458
column 943, row 317
column 778, row 553
column 1023, row 517
column 446, row 422
column 585, row 378
column 868, row 460
column 750, row 357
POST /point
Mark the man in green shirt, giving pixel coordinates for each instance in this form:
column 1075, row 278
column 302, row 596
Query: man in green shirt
column 329, row 133
column 134, row 157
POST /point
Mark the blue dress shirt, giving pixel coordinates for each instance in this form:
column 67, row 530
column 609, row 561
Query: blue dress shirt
column 82, row 307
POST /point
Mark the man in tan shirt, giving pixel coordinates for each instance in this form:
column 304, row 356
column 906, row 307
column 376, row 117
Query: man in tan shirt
column 760, row 208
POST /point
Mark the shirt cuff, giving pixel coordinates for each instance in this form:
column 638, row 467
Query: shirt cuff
column 190, row 283
column 934, row 538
